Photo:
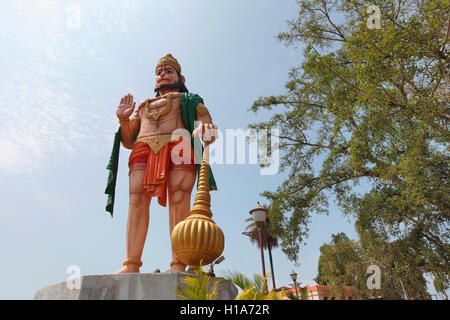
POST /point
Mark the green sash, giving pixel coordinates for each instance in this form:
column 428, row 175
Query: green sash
column 189, row 102
column 188, row 105
column 112, row 176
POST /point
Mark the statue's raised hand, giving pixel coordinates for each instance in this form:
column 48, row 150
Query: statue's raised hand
column 126, row 107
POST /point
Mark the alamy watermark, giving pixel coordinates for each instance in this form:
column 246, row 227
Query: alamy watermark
column 73, row 21
column 374, row 19
column 374, row 280
column 73, row 282
column 241, row 146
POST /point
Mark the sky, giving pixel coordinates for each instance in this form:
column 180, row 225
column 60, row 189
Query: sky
column 64, row 67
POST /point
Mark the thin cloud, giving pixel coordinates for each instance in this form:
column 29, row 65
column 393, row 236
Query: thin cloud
column 41, row 114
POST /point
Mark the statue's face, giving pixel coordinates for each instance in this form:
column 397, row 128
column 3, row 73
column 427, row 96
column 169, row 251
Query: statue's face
column 166, row 75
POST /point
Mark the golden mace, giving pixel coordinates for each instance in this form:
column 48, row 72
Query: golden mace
column 198, row 238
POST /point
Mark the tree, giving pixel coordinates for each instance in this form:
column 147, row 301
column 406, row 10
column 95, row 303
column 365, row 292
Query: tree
column 403, row 254
column 341, row 264
column 255, row 289
column 345, row 262
column 199, row 286
column 269, row 240
column 373, row 104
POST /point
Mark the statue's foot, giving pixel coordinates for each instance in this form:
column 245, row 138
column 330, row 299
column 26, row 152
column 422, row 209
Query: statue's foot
column 177, row 268
column 129, row 268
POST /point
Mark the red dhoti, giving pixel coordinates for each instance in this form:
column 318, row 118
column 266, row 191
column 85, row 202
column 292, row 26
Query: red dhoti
column 158, row 164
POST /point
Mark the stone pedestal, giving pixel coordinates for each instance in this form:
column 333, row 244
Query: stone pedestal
column 132, row 286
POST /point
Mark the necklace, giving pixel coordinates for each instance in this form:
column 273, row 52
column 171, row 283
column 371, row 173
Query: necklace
column 156, row 114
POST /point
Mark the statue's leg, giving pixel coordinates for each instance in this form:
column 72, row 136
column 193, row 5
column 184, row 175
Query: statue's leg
column 138, row 219
column 181, row 182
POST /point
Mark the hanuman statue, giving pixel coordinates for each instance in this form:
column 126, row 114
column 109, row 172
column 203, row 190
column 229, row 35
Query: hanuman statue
column 165, row 156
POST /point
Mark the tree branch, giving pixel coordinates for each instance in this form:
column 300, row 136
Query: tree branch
column 331, row 22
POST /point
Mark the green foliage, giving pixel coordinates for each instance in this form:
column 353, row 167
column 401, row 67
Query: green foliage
column 303, row 293
column 292, row 296
column 369, row 106
column 268, row 234
column 239, row 279
column 198, row 287
column 201, row 287
column 302, row 296
column 341, row 264
column 344, row 262
column 255, row 289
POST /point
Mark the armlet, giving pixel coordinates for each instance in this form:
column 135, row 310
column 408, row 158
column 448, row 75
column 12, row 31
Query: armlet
column 202, row 110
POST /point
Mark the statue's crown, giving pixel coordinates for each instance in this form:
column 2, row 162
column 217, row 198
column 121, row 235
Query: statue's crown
column 168, row 59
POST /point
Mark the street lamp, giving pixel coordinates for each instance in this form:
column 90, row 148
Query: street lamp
column 294, row 278
column 211, row 268
column 259, row 215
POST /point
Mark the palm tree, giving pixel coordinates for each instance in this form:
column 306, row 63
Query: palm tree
column 269, row 240
column 303, row 294
column 252, row 290
column 198, row 287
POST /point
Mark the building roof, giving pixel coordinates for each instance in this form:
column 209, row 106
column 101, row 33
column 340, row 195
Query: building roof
column 316, row 287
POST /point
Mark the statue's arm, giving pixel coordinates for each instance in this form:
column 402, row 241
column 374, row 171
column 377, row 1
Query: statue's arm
column 207, row 128
column 129, row 129
column 203, row 113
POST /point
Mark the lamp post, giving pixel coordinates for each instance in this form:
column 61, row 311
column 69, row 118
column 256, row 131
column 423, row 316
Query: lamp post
column 259, row 216
column 263, row 235
column 294, row 278
column 211, row 268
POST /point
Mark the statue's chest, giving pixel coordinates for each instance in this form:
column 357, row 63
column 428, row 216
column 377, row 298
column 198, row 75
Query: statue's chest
column 161, row 108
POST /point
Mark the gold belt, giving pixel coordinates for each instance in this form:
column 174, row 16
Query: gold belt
column 156, row 143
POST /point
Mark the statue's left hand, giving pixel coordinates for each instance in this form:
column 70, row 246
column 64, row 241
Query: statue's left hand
column 206, row 131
